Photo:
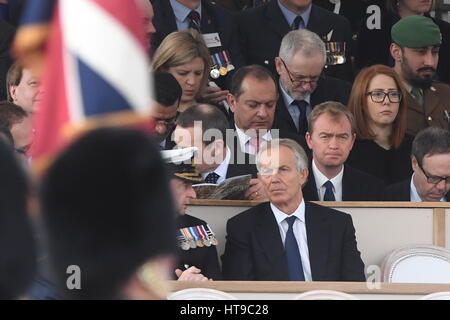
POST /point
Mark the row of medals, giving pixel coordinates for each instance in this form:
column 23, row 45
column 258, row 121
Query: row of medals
column 190, row 243
column 217, row 71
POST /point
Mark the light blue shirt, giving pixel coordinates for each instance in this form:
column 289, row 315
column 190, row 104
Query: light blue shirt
column 293, row 109
column 181, row 12
column 299, row 232
column 290, row 16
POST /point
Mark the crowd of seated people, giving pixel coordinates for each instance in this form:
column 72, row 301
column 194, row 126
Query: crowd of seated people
column 277, row 89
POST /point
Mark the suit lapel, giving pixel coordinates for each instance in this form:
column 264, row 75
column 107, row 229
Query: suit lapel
column 318, row 94
column 310, row 188
column 207, row 24
column 406, row 190
column 276, row 19
column 268, row 235
column 318, row 232
column 168, row 23
column 285, row 119
column 347, row 184
column 316, row 22
column 412, row 104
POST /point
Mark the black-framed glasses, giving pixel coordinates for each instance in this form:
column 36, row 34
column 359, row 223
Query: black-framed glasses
column 378, row 96
column 301, row 80
column 433, row 179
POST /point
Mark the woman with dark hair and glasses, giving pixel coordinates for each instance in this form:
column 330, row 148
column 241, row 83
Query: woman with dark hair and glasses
column 382, row 147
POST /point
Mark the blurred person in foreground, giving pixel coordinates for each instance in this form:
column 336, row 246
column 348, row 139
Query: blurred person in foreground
column 18, row 257
column 107, row 209
column 197, row 253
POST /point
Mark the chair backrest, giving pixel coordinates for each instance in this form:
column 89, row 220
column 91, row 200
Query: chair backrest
column 324, row 295
column 417, row 264
column 201, row 294
column 437, row 296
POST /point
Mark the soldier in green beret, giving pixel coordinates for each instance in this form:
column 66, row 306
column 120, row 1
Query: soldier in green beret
column 415, row 49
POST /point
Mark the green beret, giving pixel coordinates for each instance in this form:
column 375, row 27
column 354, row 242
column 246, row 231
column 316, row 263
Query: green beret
column 416, row 32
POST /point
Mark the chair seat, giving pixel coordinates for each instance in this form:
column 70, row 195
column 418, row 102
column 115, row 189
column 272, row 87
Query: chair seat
column 417, row 264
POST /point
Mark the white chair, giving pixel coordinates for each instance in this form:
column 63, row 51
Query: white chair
column 437, row 296
column 200, row 294
column 324, row 295
column 417, row 264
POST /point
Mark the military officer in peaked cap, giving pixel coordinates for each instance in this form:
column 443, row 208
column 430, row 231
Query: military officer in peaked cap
column 198, row 260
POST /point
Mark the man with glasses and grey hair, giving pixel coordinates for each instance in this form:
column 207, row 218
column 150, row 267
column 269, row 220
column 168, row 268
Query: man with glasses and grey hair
column 300, row 65
column 288, row 238
column 430, row 161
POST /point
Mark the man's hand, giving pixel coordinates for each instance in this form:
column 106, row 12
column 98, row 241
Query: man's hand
column 215, row 95
column 190, row 274
column 256, row 191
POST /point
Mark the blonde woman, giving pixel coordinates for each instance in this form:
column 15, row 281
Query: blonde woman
column 184, row 55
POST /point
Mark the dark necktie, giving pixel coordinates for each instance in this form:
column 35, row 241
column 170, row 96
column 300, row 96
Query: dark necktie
column 212, row 178
column 194, row 20
column 298, row 22
column 302, row 120
column 329, row 195
column 293, row 258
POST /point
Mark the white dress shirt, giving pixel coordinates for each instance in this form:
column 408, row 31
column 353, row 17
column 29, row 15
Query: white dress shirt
column 222, row 169
column 244, row 141
column 299, row 232
column 320, row 179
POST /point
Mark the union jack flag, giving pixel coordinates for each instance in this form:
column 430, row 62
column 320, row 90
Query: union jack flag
column 95, row 67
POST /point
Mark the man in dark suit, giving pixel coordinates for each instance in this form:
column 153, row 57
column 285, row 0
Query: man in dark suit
column 205, row 127
column 415, row 49
column 197, row 253
column 262, row 29
column 431, row 164
column 252, row 99
column 330, row 137
column 217, row 26
column 288, row 238
column 300, row 65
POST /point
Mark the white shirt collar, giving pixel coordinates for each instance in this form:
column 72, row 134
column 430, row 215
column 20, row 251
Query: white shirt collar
column 222, row 169
column 243, row 138
column 321, row 178
column 280, row 215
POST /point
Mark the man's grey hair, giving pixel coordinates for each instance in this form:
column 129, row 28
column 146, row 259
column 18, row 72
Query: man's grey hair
column 301, row 159
column 430, row 141
column 302, row 40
